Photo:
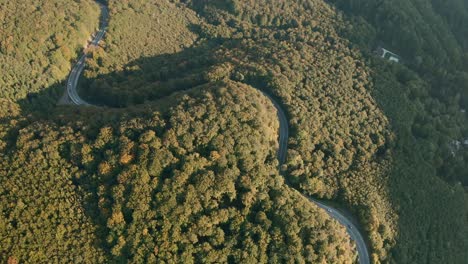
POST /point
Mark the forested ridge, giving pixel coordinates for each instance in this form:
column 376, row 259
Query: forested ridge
column 337, row 129
column 193, row 180
column 182, row 167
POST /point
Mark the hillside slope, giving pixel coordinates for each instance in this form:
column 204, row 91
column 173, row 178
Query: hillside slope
column 38, row 41
column 351, row 133
column 189, row 179
column 178, row 162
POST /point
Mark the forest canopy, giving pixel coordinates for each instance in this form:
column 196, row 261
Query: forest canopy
column 351, row 134
column 177, row 159
column 38, row 41
column 193, row 180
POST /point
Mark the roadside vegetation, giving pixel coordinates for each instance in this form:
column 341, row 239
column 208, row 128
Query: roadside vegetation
column 140, row 28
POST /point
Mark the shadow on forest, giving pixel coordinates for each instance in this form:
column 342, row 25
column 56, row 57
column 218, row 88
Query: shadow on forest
column 121, row 95
column 138, row 83
column 125, row 94
column 144, row 83
column 423, row 201
column 137, row 90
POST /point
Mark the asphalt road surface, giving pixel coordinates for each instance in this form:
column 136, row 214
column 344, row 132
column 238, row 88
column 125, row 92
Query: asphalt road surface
column 75, row 74
column 353, row 232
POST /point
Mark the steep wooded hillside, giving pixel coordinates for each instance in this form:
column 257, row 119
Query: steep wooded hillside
column 38, row 41
column 351, row 134
column 189, row 179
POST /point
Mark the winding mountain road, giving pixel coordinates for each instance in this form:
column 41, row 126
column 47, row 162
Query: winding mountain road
column 353, row 232
column 77, row 69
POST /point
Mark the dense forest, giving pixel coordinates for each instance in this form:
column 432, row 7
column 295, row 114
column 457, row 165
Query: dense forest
column 436, row 79
column 192, row 180
column 178, row 161
column 351, row 137
column 38, row 41
column 426, row 100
